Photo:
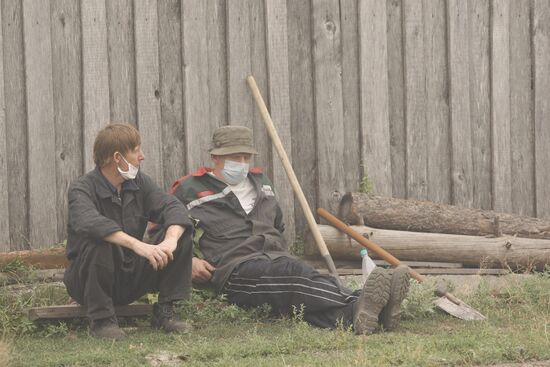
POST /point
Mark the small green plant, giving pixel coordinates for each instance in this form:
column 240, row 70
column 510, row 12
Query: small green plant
column 366, row 186
column 298, row 247
column 419, row 301
column 55, row 330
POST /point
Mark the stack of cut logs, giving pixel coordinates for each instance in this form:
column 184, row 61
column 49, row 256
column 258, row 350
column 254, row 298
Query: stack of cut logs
column 431, row 235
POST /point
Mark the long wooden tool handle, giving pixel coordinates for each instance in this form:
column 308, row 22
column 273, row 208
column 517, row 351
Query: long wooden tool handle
column 292, row 176
column 366, row 242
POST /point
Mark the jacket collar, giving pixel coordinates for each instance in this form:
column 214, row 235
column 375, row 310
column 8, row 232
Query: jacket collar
column 105, row 189
column 204, row 170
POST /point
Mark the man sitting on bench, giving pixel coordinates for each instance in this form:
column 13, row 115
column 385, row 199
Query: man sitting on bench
column 109, row 208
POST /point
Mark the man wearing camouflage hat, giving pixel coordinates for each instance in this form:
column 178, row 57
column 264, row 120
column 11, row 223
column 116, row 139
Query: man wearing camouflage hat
column 243, row 253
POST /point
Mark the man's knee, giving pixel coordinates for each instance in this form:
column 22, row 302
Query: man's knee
column 95, row 260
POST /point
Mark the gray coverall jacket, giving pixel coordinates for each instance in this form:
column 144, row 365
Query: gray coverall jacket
column 231, row 236
column 100, row 274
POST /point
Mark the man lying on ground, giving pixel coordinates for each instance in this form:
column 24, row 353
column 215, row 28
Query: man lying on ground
column 245, row 256
column 108, row 212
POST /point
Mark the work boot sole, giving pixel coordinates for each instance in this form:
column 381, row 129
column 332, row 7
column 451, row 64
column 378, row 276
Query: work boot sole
column 374, row 297
column 399, row 288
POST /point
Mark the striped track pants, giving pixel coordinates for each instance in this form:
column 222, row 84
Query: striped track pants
column 287, row 283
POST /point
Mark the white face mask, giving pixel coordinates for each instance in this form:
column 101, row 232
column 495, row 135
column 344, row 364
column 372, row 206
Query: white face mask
column 234, row 172
column 132, row 170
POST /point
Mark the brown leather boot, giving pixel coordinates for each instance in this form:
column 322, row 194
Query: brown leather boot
column 390, row 315
column 164, row 317
column 107, row 329
column 373, row 298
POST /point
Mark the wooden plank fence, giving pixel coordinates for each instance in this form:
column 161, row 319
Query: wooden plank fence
column 445, row 100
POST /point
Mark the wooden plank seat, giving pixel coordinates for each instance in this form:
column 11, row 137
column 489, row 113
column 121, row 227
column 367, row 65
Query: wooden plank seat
column 72, row 311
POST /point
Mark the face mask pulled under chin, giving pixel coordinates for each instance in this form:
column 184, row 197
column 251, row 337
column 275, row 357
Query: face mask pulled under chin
column 234, row 172
column 132, row 170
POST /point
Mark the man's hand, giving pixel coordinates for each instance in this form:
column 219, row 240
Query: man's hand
column 168, row 246
column 201, row 270
column 158, row 256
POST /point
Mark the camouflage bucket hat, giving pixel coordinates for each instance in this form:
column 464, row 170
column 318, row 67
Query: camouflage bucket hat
column 231, row 140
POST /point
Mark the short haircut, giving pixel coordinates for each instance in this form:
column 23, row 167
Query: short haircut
column 113, row 138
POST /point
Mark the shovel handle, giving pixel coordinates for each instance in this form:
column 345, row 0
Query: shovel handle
column 366, row 242
column 292, row 176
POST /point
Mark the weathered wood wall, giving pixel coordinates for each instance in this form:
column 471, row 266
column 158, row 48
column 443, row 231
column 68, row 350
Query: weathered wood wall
column 445, row 100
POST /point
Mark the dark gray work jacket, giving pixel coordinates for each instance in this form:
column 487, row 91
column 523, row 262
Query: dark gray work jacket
column 230, row 235
column 96, row 210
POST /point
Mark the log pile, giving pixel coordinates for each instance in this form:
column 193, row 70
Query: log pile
column 424, row 216
column 471, row 251
column 415, row 230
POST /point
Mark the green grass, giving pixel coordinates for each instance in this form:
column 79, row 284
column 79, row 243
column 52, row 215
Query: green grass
column 517, row 330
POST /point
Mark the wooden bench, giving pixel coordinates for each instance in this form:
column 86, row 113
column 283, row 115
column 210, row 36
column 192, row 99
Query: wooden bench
column 77, row 311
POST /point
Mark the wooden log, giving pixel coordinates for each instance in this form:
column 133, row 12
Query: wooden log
column 506, row 252
column 77, row 311
column 423, row 216
column 53, row 258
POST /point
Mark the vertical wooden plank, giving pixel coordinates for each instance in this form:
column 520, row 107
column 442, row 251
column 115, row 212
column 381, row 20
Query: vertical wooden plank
column 354, row 167
column 396, row 92
column 480, row 105
column 302, row 114
column 239, row 64
column 437, row 103
column 95, row 75
column 67, row 97
column 522, row 142
column 258, row 62
column 415, row 100
column 198, row 126
column 328, row 102
column 374, row 95
column 217, row 63
column 279, row 100
column 461, row 138
column 147, row 83
column 122, row 73
column 171, row 90
column 40, row 120
column 500, row 101
column 16, row 127
column 4, row 187
column 541, row 42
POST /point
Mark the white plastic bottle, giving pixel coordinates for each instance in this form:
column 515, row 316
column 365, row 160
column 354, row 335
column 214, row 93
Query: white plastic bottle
column 367, row 266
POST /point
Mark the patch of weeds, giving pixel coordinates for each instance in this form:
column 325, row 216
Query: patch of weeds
column 366, row 186
column 14, row 302
column 521, row 292
column 15, row 266
column 58, row 329
column 205, row 307
column 298, row 247
column 419, row 301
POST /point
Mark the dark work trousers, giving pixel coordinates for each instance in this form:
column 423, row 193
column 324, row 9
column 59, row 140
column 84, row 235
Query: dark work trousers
column 286, row 284
column 103, row 275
